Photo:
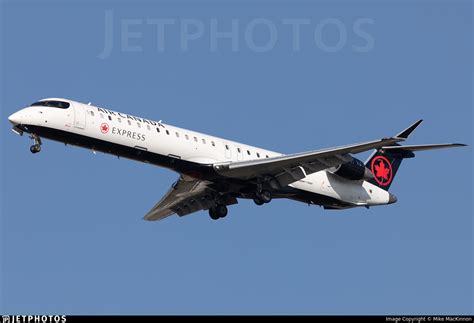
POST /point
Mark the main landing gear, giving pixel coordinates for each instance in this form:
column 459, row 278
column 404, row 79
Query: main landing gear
column 218, row 211
column 263, row 197
column 36, row 147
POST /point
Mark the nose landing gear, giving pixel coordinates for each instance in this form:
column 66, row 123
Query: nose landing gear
column 36, row 147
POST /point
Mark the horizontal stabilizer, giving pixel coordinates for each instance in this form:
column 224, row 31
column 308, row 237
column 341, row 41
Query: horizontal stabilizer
column 421, row 147
column 385, row 162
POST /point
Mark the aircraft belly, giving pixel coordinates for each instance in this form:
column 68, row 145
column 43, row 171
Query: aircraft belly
column 317, row 183
column 353, row 192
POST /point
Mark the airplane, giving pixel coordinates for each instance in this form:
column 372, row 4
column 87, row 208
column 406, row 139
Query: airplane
column 215, row 172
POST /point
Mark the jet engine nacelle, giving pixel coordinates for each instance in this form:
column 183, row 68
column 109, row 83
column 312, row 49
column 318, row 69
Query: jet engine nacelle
column 354, row 170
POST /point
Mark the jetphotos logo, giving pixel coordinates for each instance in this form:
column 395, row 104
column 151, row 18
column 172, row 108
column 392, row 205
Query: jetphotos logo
column 382, row 170
column 257, row 35
column 33, row 318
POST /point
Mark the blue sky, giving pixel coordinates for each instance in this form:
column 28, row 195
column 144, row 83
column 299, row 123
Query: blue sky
column 72, row 235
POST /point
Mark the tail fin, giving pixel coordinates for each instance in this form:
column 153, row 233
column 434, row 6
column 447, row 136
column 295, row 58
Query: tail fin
column 385, row 162
column 384, row 165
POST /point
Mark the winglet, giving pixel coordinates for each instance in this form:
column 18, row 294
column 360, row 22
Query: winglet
column 407, row 132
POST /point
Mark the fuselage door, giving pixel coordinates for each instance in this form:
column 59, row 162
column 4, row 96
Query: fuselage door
column 79, row 116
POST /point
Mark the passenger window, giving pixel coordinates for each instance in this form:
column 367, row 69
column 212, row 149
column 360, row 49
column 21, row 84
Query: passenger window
column 266, row 156
column 110, row 118
column 92, row 113
column 238, row 149
column 248, row 152
column 119, row 120
column 148, row 127
column 195, row 139
column 139, row 125
column 158, row 129
column 213, row 143
column 101, row 116
column 186, row 136
column 129, row 122
column 177, row 134
column 258, row 155
column 227, row 147
column 203, row 141
column 167, row 132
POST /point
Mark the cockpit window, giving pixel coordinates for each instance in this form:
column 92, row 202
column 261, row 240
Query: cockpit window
column 52, row 104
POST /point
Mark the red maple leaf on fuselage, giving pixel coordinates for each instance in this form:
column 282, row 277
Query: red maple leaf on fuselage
column 382, row 171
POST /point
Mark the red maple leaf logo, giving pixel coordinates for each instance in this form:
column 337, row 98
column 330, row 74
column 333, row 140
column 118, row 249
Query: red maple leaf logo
column 104, row 128
column 382, row 171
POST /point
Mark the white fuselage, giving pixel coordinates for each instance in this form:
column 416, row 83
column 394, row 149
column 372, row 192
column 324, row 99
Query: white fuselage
column 166, row 140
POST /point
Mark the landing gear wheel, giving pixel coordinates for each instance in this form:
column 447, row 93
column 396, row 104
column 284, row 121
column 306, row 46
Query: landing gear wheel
column 258, row 201
column 264, row 196
column 218, row 211
column 35, row 148
column 213, row 213
column 221, row 210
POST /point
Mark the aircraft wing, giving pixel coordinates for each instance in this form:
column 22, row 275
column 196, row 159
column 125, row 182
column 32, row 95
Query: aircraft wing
column 186, row 196
column 287, row 169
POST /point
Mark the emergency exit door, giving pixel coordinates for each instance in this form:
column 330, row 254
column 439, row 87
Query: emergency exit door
column 79, row 116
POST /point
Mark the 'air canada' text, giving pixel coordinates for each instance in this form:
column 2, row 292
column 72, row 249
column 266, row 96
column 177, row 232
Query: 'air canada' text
column 129, row 117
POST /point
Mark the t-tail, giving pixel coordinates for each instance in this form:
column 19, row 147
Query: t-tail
column 385, row 162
